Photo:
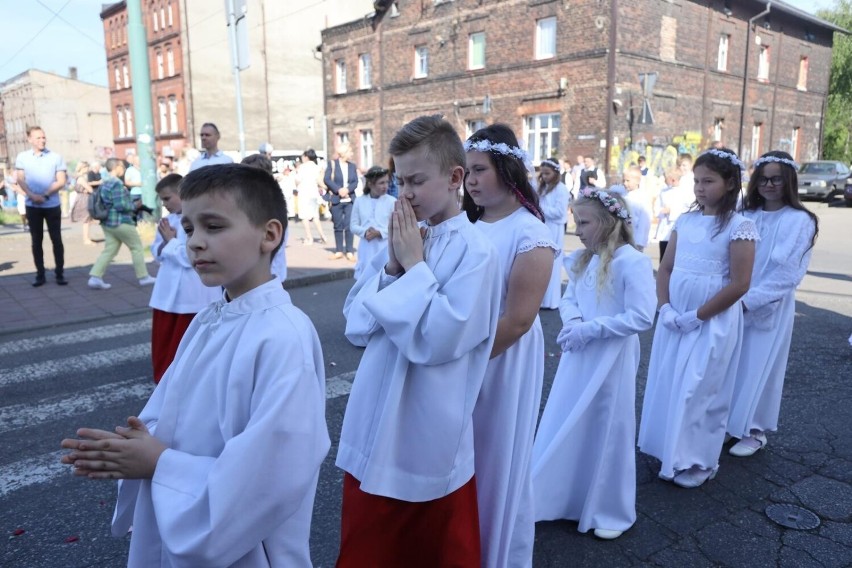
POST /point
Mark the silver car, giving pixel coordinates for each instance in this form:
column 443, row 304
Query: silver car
column 822, row 180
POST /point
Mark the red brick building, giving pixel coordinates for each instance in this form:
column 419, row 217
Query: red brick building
column 165, row 58
column 566, row 75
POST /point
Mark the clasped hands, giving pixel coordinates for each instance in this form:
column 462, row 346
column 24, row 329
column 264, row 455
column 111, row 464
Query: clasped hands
column 130, row 452
column 675, row 321
column 575, row 334
column 405, row 239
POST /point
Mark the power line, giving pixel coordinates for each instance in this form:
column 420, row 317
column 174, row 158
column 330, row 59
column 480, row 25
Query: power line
column 32, row 39
column 78, row 30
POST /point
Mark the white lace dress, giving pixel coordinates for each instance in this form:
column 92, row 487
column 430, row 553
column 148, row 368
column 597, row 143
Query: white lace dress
column 506, row 413
column 781, row 260
column 691, row 375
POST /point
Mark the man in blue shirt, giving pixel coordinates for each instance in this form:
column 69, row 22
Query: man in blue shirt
column 41, row 174
column 212, row 154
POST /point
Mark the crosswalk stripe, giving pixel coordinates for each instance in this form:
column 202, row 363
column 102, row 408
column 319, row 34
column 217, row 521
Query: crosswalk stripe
column 39, row 469
column 29, row 415
column 76, row 364
column 82, row 336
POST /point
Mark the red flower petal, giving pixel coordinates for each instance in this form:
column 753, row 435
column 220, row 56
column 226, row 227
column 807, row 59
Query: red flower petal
column 18, row 532
column 72, row 539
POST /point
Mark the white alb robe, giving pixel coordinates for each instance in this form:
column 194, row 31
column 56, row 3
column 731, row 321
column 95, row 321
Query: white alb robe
column 691, row 375
column 407, row 432
column 584, row 464
column 372, row 212
column 640, row 212
column 507, row 410
column 242, row 411
column 554, row 206
column 781, row 261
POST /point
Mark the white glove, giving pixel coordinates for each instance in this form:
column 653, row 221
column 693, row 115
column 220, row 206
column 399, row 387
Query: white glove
column 579, row 335
column 688, row 321
column 563, row 333
column 667, row 317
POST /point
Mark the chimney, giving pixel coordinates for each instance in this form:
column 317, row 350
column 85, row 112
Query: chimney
column 72, row 73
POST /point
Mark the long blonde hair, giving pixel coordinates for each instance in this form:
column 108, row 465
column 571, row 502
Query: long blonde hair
column 616, row 232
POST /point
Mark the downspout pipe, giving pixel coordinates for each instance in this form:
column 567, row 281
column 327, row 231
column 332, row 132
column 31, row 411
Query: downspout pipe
column 745, row 73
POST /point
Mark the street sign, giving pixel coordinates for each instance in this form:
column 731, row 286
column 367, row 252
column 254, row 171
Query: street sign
column 235, row 11
column 647, row 81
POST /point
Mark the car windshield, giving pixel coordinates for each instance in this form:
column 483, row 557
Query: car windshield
column 817, row 168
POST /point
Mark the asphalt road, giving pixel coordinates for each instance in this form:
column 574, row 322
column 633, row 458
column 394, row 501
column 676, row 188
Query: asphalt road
column 96, row 374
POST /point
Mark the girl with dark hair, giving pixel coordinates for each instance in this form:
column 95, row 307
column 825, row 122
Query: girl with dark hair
column 787, row 235
column 704, row 273
column 554, row 201
column 308, row 179
column 500, row 201
column 370, row 218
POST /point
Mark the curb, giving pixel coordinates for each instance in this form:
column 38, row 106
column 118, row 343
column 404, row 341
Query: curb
column 289, row 284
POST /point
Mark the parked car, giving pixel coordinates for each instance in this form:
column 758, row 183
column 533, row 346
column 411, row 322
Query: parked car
column 847, row 192
column 823, row 179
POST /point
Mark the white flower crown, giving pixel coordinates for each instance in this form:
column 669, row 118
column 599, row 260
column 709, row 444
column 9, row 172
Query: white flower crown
column 609, row 202
column 500, row 148
column 728, row 156
column 551, row 163
column 766, row 159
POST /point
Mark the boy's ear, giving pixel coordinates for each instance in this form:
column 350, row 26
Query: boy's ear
column 456, row 177
column 273, row 232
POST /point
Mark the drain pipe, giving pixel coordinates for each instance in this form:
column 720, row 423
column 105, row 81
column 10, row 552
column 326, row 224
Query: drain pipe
column 745, row 74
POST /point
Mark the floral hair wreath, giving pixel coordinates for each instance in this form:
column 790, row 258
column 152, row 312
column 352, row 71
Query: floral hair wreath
column 499, row 148
column 551, row 163
column 728, row 156
column 766, row 159
column 609, row 202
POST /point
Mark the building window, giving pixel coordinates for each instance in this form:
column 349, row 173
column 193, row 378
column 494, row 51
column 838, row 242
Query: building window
column 802, row 84
column 722, row 58
column 173, row 114
column 170, row 62
column 476, row 51
column 718, row 128
column 763, row 63
column 471, row 126
column 542, row 134
column 794, row 143
column 421, row 61
column 162, row 17
column 365, row 71
column 545, row 38
column 756, row 135
column 121, row 131
column 154, row 20
column 340, row 76
column 128, row 118
column 126, row 75
column 159, row 65
column 117, row 77
column 164, row 117
column 171, row 18
column 366, row 148
column 342, row 138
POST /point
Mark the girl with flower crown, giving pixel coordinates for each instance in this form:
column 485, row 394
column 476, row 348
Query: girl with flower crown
column 553, row 199
column 584, row 461
column 787, row 235
column 500, row 201
column 704, row 273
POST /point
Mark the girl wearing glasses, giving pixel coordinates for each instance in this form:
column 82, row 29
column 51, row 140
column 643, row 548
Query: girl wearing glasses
column 787, row 235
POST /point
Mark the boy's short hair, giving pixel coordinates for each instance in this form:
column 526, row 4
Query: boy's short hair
column 170, row 181
column 255, row 191
column 258, row 161
column 438, row 136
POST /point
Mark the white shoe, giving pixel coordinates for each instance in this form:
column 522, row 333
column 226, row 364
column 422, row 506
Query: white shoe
column 147, row 281
column 96, row 283
column 607, row 534
column 694, row 477
column 748, row 445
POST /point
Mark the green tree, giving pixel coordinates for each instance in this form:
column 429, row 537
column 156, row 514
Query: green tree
column 837, row 134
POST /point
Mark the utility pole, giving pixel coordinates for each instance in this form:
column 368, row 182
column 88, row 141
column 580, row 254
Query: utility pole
column 239, row 59
column 137, row 45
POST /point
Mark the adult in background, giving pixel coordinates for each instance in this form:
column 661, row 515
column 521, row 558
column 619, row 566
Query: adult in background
column 308, row 176
column 41, row 174
column 210, row 143
column 80, row 201
column 592, row 175
column 341, row 179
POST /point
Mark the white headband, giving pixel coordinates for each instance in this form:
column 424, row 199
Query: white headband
column 551, row 163
column 766, row 159
column 728, row 156
column 499, row 148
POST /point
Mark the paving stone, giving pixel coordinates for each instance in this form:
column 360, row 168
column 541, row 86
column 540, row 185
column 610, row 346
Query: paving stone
column 751, row 550
column 827, row 552
column 840, row 533
column 826, row 497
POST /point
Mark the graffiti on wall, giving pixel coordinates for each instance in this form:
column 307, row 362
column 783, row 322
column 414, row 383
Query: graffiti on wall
column 660, row 152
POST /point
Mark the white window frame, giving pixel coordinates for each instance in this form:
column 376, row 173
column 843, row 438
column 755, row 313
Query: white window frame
column 366, row 149
column 421, row 61
column 541, row 131
column 340, row 76
column 756, row 138
column 718, row 129
column 164, row 116
column 126, row 73
column 804, row 64
column 121, row 130
column 173, row 114
column 794, row 142
column 763, row 60
column 471, row 126
column 365, row 71
column 171, row 17
column 342, row 138
column 155, row 20
column 474, row 41
column 128, row 118
column 170, row 61
column 722, row 55
column 117, row 77
column 162, row 17
column 545, row 38
column 160, row 67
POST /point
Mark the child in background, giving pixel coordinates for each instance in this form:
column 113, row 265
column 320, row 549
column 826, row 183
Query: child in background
column 704, row 273
column 503, row 205
column 674, row 200
column 584, row 461
column 178, row 293
column 638, row 200
column 554, row 200
column 370, row 218
column 787, row 235
column 221, row 466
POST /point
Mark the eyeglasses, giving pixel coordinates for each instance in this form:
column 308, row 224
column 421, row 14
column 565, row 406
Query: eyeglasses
column 774, row 181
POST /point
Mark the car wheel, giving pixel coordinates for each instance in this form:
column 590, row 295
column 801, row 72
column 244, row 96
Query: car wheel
column 849, row 203
column 829, row 197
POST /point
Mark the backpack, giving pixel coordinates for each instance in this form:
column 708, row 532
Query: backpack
column 97, row 208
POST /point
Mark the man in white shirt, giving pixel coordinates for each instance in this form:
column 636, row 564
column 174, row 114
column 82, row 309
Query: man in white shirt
column 211, row 154
column 639, row 207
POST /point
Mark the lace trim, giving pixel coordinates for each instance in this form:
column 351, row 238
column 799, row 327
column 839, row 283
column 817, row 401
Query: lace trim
column 746, row 231
column 528, row 246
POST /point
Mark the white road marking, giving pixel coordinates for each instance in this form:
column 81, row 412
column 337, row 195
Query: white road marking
column 70, row 338
column 40, row 469
column 339, row 385
column 75, row 364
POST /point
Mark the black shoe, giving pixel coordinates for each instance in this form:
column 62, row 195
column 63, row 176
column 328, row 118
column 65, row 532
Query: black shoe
column 39, row 281
column 61, row 280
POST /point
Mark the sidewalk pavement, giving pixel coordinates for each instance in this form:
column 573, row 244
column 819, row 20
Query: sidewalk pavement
column 27, row 308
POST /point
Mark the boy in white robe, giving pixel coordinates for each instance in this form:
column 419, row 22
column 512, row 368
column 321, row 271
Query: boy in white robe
column 221, row 466
column 427, row 318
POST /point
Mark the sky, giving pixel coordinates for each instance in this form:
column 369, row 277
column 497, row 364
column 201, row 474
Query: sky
column 53, row 35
